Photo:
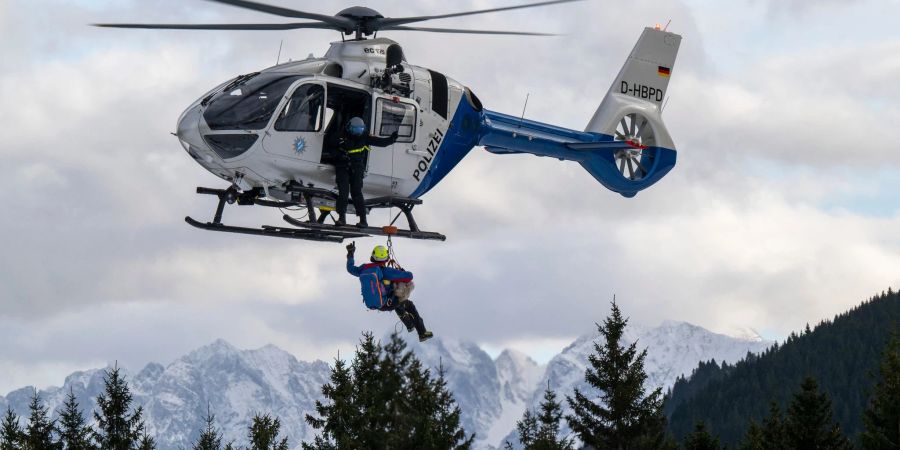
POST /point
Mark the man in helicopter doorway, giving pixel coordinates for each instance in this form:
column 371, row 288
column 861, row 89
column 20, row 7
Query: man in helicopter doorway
column 350, row 167
column 385, row 288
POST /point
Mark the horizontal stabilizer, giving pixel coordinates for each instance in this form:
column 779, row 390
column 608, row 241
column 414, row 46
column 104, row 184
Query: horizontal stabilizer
column 599, row 154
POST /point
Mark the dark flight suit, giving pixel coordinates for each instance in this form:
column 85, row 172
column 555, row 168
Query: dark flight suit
column 350, row 168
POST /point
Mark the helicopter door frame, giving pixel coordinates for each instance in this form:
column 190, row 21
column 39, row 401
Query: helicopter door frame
column 393, row 163
column 302, row 145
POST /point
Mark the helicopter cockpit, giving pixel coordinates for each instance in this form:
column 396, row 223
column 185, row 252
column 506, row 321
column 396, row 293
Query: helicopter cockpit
column 297, row 116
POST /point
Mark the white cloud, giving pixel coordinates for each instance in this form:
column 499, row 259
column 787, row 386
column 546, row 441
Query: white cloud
column 744, row 232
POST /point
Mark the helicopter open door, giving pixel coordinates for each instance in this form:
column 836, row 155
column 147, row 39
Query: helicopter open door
column 298, row 131
column 394, row 114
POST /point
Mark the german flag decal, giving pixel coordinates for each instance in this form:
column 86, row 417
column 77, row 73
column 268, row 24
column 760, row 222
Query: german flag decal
column 664, row 71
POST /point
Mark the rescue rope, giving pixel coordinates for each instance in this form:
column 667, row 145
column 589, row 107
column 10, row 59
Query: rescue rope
column 392, row 257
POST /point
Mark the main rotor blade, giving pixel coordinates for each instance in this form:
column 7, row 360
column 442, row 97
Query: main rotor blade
column 232, row 26
column 454, row 30
column 382, row 23
column 285, row 12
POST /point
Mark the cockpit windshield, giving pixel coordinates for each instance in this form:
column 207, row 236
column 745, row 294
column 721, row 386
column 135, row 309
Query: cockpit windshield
column 248, row 105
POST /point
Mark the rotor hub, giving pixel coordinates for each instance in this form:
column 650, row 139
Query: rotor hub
column 360, row 13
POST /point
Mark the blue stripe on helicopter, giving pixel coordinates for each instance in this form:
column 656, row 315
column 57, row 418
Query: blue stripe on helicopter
column 505, row 134
column 461, row 137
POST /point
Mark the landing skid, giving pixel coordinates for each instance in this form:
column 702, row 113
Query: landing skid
column 314, row 227
column 265, row 230
column 371, row 231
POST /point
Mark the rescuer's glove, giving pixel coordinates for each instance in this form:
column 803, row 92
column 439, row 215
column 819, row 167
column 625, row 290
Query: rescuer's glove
column 351, row 249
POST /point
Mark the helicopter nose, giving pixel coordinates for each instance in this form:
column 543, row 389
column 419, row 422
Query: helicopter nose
column 188, row 128
column 188, row 132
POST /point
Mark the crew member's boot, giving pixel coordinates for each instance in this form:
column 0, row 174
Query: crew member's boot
column 362, row 220
column 341, row 221
column 418, row 323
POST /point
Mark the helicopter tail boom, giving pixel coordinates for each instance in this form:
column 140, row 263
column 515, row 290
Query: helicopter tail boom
column 626, row 146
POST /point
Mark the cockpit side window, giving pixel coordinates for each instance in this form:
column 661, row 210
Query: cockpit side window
column 399, row 117
column 304, row 111
column 248, row 105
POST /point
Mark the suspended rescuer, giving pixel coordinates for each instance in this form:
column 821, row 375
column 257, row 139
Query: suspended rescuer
column 385, row 288
column 350, row 167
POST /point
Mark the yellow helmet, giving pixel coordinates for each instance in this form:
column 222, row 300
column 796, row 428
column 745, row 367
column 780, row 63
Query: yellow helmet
column 380, row 254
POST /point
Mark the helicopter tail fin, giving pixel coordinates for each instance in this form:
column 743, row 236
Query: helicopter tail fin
column 626, row 146
column 641, row 84
column 632, row 112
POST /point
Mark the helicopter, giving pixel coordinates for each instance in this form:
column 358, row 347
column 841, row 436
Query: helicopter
column 270, row 133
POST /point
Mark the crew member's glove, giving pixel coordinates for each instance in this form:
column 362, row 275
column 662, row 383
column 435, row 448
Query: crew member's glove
column 351, row 249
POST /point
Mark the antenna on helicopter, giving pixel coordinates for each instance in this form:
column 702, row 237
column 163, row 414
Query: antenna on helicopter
column 522, row 119
column 357, row 20
column 278, row 60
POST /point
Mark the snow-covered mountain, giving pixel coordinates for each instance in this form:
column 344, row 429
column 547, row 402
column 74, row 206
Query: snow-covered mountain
column 234, row 383
column 673, row 349
column 492, row 393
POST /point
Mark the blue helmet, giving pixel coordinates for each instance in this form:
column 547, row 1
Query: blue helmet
column 356, row 127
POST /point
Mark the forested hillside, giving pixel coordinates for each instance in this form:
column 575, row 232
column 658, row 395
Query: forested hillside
column 842, row 354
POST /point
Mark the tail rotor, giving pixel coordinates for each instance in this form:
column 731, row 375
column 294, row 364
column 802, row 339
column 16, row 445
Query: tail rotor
column 635, row 130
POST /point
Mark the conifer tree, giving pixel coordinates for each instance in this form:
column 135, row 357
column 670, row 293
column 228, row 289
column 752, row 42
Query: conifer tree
column 449, row 433
column 10, row 432
column 882, row 417
column 810, row 421
column 420, row 397
column 74, row 433
column 701, row 439
column 146, row 442
column 338, row 416
column 774, row 433
column 527, row 429
column 367, row 395
column 39, row 431
column 210, row 437
column 118, row 427
column 755, row 438
column 625, row 415
column 391, row 397
column 263, row 434
column 385, row 399
column 541, row 432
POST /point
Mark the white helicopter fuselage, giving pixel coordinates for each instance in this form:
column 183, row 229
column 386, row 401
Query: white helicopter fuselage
column 235, row 132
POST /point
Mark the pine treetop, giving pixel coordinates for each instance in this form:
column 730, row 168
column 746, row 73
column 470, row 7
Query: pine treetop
column 39, row 430
column 625, row 415
column 11, row 432
column 882, row 417
column 74, row 433
column 118, row 427
column 210, row 437
column 386, row 399
column 810, row 422
column 701, row 439
column 263, row 434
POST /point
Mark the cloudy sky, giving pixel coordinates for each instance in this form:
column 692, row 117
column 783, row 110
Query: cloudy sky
column 784, row 208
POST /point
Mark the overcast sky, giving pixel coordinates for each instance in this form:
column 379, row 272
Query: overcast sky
column 784, row 208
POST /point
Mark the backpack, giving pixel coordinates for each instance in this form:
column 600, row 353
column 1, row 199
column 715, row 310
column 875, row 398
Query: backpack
column 373, row 291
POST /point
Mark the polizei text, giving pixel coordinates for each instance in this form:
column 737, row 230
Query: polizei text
column 425, row 162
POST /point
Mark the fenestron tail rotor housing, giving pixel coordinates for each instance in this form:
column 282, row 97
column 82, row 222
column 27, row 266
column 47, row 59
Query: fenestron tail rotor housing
column 635, row 130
